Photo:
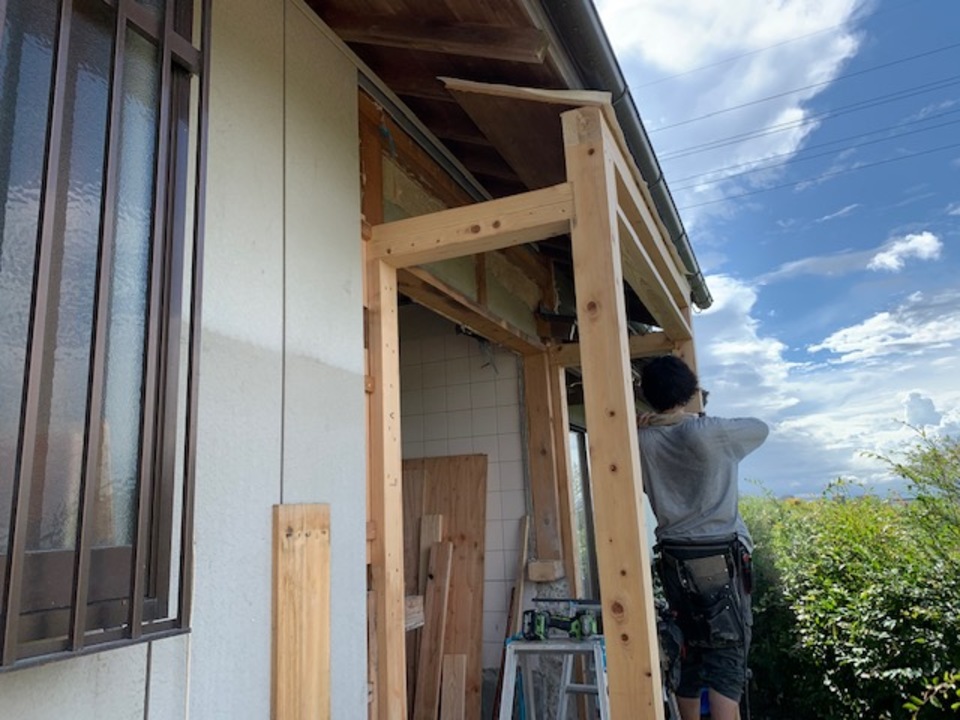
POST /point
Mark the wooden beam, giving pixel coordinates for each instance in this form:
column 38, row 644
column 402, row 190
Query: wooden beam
column 434, row 632
column 568, row 510
column 541, row 456
column 423, row 288
column 641, row 274
column 301, row 612
column 623, row 555
column 473, row 229
column 491, row 42
column 687, row 352
column 385, row 487
column 639, row 346
column 414, row 616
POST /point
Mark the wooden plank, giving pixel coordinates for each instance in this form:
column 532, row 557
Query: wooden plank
column 639, row 346
column 621, row 536
column 513, row 44
column 545, row 570
column 431, row 531
column 413, row 612
column 301, row 612
column 425, row 289
column 641, row 274
column 455, row 487
column 453, row 688
column 687, row 352
column 477, row 228
column 541, row 456
column 385, row 487
column 433, row 637
column 565, row 495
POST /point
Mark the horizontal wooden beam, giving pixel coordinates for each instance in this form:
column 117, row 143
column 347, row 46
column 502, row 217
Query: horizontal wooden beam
column 424, row 289
column 513, row 44
column 640, row 346
column 473, row 229
column 641, row 274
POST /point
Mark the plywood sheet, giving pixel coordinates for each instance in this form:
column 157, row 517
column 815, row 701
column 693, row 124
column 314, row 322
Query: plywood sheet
column 456, row 487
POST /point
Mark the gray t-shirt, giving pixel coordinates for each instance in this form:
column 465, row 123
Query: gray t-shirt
column 690, row 475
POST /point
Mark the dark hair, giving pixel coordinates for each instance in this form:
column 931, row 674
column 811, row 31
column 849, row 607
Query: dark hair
column 667, row 382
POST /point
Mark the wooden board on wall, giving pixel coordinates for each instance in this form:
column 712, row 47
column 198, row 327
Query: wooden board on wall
column 456, row 487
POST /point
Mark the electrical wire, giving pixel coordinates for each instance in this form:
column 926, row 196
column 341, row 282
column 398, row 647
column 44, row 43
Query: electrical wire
column 822, row 83
column 825, row 176
column 793, row 124
column 793, row 160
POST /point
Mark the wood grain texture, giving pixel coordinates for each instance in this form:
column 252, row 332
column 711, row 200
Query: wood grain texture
column 436, row 601
column 301, row 612
column 453, row 687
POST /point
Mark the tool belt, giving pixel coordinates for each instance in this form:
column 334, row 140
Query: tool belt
column 703, row 583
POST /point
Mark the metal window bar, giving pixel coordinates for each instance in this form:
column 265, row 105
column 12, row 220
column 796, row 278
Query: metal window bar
column 152, row 338
column 36, row 338
column 95, row 384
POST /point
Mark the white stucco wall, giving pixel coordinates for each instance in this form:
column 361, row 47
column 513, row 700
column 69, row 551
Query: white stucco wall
column 281, row 415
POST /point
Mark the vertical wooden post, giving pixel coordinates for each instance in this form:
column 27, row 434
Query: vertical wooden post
column 686, row 351
column 542, row 454
column 386, row 488
column 568, row 510
column 622, row 548
column 301, row 612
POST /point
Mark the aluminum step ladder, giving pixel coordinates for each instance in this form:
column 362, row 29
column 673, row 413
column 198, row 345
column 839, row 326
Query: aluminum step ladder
column 518, row 656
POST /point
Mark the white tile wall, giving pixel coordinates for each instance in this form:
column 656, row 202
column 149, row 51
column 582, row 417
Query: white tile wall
column 458, row 397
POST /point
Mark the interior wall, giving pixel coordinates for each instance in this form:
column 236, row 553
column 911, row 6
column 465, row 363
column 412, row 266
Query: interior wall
column 459, row 396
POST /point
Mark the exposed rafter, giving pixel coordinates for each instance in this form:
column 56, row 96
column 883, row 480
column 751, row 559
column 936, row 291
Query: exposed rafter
column 514, row 44
column 640, row 346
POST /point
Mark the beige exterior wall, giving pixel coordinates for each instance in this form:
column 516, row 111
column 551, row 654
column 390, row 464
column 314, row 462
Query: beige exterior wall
column 281, row 414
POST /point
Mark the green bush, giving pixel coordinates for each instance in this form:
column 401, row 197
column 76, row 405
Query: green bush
column 857, row 602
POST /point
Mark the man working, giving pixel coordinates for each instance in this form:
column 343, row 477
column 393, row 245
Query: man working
column 690, row 474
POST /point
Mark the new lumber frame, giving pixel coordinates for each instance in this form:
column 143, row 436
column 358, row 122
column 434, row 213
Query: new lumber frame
column 615, row 237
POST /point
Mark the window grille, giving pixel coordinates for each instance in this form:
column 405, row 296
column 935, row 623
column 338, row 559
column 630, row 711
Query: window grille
column 102, row 160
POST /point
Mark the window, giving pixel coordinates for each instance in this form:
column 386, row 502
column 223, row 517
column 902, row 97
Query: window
column 99, row 278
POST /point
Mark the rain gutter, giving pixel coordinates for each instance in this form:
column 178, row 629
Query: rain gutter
column 585, row 42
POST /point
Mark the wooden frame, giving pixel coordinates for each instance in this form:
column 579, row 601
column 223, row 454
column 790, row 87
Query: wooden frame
column 616, row 236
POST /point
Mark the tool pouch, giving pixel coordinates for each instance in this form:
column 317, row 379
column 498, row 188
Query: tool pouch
column 699, row 582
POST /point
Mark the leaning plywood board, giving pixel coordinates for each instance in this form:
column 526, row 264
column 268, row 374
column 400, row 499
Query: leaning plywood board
column 456, row 487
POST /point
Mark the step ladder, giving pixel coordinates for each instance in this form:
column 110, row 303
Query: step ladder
column 518, row 656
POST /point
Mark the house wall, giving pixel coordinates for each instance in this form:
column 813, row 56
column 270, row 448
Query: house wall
column 457, row 398
column 281, row 415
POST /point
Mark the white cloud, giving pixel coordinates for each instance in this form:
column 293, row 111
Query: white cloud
column 890, row 256
column 899, row 367
column 920, row 326
column 776, row 46
column 923, row 246
column 919, row 410
column 953, row 208
column 839, row 213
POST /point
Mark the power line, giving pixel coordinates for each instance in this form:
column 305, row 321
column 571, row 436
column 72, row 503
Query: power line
column 768, row 98
column 790, row 125
column 795, row 159
column 825, row 176
column 762, row 49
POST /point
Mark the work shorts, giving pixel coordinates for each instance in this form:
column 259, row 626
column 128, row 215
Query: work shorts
column 707, row 589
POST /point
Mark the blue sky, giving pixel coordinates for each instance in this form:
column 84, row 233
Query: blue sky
column 827, row 218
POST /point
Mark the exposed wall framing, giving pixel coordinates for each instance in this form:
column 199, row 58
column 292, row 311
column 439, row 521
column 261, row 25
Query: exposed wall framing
column 615, row 237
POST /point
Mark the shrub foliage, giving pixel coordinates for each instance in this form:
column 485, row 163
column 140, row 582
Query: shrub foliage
column 857, row 597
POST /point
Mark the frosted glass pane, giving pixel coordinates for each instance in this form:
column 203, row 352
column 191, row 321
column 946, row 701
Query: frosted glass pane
column 26, row 64
column 63, row 388
column 128, row 294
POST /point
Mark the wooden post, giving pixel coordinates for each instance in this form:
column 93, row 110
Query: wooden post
column 686, row 351
column 386, row 488
column 541, row 454
column 568, row 510
column 623, row 554
column 301, row 612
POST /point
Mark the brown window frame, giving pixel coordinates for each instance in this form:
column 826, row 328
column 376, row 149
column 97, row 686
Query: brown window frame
column 61, row 603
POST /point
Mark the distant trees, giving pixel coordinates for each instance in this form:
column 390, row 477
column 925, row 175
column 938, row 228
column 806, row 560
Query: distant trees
column 857, row 597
